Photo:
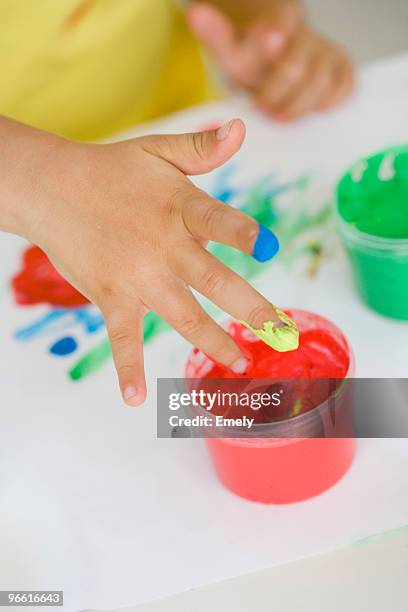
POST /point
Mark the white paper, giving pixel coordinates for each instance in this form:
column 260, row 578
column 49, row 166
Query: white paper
column 93, row 503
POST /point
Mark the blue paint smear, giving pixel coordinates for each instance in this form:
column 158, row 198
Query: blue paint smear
column 222, row 190
column 91, row 321
column 59, row 319
column 266, row 245
column 64, row 346
column 44, row 322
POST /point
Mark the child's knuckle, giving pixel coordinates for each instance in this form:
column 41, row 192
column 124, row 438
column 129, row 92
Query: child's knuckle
column 193, row 325
column 119, row 336
column 214, row 283
column 212, row 217
column 198, row 145
column 259, row 314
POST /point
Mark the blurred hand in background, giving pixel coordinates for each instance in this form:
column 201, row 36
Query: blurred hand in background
column 267, row 48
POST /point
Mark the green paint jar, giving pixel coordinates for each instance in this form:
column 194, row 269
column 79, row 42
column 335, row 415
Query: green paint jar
column 372, row 217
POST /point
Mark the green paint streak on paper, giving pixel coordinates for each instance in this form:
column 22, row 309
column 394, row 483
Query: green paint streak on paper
column 91, row 361
column 381, row 535
column 96, row 357
column 153, row 326
column 304, row 221
column 260, row 203
column 262, row 206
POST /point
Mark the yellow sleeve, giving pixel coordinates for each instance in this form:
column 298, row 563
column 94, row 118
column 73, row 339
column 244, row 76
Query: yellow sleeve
column 88, row 68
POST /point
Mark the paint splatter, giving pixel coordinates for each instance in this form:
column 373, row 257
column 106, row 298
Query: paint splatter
column 91, row 361
column 38, row 282
column 64, row 346
column 96, row 357
column 59, row 319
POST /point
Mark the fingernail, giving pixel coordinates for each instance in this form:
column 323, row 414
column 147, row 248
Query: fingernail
column 266, row 245
column 131, row 396
column 240, row 366
column 278, row 324
column 223, row 131
column 274, row 41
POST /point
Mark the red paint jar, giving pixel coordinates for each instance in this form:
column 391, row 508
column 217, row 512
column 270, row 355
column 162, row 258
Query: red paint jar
column 279, row 470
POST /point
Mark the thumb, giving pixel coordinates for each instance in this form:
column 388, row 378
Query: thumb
column 197, row 152
column 237, row 54
column 214, row 29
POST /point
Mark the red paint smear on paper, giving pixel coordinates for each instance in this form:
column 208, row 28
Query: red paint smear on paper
column 38, row 282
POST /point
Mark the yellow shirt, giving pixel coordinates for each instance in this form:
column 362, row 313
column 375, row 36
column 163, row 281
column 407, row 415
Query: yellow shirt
column 88, row 68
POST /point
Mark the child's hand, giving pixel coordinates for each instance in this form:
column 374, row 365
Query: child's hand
column 126, row 227
column 290, row 69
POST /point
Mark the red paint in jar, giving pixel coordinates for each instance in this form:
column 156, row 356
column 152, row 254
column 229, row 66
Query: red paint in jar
column 284, row 470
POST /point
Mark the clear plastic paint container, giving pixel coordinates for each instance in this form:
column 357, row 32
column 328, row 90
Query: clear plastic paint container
column 372, row 217
column 280, row 461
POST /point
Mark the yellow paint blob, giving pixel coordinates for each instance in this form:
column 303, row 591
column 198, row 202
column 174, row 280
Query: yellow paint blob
column 281, row 338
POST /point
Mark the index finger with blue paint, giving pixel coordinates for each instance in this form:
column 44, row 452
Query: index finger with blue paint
column 209, row 219
column 266, row 245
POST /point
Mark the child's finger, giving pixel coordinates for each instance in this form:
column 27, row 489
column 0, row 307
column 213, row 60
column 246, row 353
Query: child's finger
column 265, row 41
column 176, row 304
column 125, row 328
column 197, row 152
column 285, row 76
column 252, row 58
column 228, row 290
column 307, row 96
column 245, row 54
column 208, row 219
column 343, row 85
column 278, row 28
column 215, row 30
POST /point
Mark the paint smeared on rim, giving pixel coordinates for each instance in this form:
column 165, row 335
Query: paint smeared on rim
column 282, row 337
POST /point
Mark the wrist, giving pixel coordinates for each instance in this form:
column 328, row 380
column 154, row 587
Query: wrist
column 27, row 158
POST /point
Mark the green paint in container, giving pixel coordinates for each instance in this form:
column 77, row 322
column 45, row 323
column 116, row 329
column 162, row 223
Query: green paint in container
column 372, row 214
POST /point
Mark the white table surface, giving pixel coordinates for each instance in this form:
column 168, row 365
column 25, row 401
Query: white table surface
column 369, row 576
